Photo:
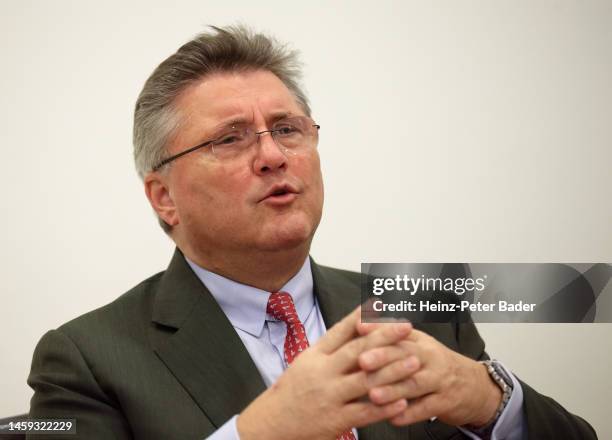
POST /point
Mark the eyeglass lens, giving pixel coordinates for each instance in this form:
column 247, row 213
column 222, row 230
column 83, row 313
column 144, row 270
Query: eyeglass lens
column 291, row 133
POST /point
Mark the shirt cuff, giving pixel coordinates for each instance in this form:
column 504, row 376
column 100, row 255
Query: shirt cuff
column 228, row 431
column 511, row 423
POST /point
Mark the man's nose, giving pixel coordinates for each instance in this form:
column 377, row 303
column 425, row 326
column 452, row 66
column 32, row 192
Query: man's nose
column 270, row 156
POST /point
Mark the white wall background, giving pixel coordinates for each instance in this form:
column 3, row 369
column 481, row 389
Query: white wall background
column 472, row 131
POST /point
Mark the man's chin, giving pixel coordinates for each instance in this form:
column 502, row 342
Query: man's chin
column 286, row 237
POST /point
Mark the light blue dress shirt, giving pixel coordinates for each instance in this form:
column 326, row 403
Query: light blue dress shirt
column 264, row 338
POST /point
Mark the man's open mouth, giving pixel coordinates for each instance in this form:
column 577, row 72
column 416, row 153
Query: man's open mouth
column 280, row 193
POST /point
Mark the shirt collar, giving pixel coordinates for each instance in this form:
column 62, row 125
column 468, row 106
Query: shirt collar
column 245, row 306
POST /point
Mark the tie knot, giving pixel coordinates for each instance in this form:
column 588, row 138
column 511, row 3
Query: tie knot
column 280, row 305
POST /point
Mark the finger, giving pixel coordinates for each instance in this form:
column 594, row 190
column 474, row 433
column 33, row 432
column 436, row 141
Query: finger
column 345, row 358
column 417, row 385
column 359, row 383
column 362, row 413
column 340, row 333
column 397, row 371
column 352, row 386
column 377, row 358
column 364, row 328
column 417, row 411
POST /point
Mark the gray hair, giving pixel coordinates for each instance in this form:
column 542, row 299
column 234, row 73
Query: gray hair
column 229, row 49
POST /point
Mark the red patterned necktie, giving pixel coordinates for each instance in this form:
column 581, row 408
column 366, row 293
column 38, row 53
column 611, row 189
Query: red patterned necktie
column 281, row 307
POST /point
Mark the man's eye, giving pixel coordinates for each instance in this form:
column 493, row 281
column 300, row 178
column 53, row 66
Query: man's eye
column 286, row 130
column 229, row 139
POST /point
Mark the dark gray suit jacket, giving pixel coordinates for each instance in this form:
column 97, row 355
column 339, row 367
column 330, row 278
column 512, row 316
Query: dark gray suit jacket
column 163, row 362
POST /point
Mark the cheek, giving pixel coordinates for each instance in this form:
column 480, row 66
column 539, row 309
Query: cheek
column 315, row 178
column 317, row 187
column 216, row 186
column 232, row 187
column 310, row 174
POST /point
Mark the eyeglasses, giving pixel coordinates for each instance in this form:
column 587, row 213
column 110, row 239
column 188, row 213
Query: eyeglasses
column 292, row 134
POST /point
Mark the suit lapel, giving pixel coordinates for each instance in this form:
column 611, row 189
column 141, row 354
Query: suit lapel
column 336, row 295
column 198, row 344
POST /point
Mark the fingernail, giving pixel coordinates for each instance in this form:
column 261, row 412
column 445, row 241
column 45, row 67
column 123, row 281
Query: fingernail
column 378, row 393
column 402, row 328
column 368, row 358
column 400, row 404
column 410, row 363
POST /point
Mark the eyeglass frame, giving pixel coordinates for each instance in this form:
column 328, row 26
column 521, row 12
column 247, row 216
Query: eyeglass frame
column 167, row 160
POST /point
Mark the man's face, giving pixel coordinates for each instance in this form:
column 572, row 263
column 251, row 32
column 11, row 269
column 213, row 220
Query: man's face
column 218, row 204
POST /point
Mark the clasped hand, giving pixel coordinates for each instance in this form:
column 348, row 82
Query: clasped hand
column 358, row 374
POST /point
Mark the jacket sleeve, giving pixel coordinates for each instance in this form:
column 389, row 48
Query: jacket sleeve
column 546, row 419
column 65, row 387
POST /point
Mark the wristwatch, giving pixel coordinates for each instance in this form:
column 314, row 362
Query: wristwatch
column 501, row 378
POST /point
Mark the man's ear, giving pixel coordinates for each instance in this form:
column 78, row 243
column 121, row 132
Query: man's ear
column 158, row 193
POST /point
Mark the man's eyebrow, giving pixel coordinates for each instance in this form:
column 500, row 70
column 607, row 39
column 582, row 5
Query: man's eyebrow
column 243, row 120
column 239, row 120
column 276, row 116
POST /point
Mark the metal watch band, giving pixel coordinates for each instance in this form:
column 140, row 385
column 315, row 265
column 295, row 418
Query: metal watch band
column 500, row 377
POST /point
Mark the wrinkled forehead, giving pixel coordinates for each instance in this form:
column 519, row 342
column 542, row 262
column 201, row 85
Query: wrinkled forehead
column 250, row 96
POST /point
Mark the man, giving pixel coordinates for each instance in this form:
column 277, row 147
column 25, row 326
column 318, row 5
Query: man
column 244, row 336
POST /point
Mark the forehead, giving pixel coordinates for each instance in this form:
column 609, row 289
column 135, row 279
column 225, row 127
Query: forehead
column 244, row 95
